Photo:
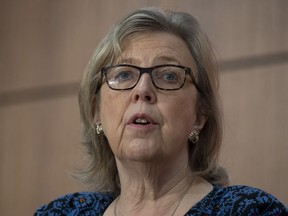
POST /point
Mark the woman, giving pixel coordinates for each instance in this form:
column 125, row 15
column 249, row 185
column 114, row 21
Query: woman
column 152, row 123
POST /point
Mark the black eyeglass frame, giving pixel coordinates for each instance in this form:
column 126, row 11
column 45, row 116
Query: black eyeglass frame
column 149, row 71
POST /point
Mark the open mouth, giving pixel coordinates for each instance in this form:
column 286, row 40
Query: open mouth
column 141, row 121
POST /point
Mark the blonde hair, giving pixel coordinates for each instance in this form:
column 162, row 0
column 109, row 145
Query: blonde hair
column 203, row 156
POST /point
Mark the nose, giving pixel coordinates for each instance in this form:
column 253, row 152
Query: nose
column 144, row 90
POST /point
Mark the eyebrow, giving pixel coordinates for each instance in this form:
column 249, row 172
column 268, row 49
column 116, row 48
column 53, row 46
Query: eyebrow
column 127, row 61
column 165, row 58
column 168, row 59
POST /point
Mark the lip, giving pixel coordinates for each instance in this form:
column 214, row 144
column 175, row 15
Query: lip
column 141, row 115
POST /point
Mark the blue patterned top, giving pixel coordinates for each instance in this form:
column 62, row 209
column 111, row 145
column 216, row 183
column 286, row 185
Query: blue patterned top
column 232, row 200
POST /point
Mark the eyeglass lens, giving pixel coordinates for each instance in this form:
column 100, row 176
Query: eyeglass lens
column 168, row 77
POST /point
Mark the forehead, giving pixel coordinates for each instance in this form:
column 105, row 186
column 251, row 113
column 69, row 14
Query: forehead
column 156, row 47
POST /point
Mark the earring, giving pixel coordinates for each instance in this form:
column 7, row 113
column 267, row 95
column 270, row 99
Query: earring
column 99, row 128
column 194, row 136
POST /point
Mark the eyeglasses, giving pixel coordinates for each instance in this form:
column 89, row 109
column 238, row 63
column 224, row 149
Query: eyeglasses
column 165, row 77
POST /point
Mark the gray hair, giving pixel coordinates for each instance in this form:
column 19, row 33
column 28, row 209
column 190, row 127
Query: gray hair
column 101, row 171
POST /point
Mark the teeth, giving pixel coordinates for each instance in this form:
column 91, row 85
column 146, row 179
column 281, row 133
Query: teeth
column 141, row 121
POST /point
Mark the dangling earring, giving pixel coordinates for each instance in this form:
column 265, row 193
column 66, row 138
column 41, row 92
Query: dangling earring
column 194, row 136
column 99, row 128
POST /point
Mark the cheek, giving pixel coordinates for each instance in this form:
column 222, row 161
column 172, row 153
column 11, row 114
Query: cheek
column 181, row 116
column 112, row 108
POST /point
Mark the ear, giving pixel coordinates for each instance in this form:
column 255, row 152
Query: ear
column 96, row 111
column 96, row 118
column 200, row 121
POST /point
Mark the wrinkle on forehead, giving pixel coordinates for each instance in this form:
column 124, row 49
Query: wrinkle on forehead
column 155, row 48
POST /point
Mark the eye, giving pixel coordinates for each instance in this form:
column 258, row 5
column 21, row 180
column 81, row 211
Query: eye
column 124, row 74
column 168, row 75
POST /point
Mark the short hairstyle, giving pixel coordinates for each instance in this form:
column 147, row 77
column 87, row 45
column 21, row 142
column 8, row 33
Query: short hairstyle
column 101, row 171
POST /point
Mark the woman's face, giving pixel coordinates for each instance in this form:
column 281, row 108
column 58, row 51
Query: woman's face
column 146, row 123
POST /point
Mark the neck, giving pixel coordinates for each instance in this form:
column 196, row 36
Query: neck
column 157, row 209
column 152, row 188
column 173, row 198
column 153, row 179
column 163, row 186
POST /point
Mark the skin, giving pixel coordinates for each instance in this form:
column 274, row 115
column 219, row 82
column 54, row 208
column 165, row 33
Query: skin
column 152, row 160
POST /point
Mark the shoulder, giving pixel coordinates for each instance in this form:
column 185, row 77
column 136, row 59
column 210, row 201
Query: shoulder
column 82, row 203
column 244, row 200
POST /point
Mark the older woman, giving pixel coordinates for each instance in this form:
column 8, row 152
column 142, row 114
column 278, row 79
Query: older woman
column 149, row 105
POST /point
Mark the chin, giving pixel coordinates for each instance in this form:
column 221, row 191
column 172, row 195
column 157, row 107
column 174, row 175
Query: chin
column 142, row 151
